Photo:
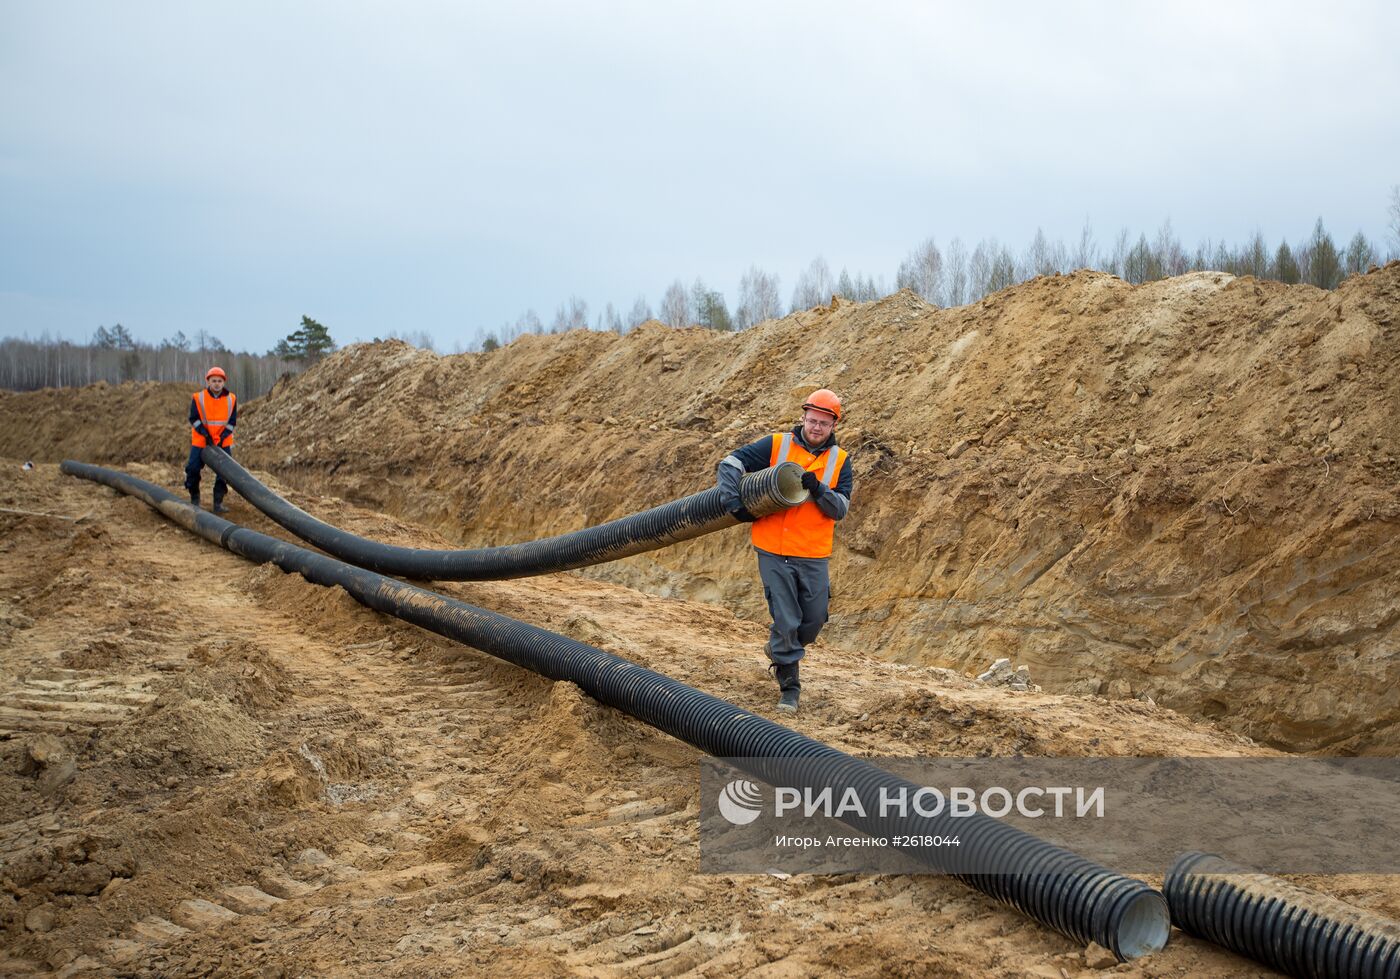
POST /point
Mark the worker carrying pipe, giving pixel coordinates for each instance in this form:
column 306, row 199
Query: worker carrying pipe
column 794, row 545
column 213, row 414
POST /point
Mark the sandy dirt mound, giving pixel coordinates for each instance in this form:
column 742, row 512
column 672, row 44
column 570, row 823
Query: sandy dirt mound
column 103, row 423
column 1184, row 490
column 380, row 801
column 1176, row 503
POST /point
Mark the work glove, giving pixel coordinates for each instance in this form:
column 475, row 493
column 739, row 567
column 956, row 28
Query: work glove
column 225, row 441
column 813, row 485
column 741, row 514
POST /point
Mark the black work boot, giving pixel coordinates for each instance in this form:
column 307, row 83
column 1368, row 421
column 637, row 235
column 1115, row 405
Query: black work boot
column 219, row 505
column 790, row 686
column 194, row 498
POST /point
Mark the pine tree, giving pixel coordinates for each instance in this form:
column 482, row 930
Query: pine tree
column 710, row 309
column 309, row 343
column 1285, row 267
column 1361, row 255
column 1326, row 268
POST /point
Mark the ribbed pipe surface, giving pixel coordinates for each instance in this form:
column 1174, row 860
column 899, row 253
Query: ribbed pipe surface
column 692, row 516
column 1290, row 928
column 1065, row 891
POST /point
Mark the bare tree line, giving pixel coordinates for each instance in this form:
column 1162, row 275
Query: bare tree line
column 946, row 276
column 956, row 275
column 114, row 356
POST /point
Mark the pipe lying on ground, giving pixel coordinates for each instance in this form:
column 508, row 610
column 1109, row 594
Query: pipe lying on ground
column 1290, row 928
column 692, row 516
column 1058, row 888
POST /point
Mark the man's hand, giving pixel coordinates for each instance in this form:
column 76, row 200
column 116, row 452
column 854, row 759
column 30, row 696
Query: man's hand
column 741, row 514
column 225, row 440
column 813, row 485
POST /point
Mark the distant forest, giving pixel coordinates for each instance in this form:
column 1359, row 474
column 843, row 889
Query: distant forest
column 114, row 356
column 950, row 275
column 953, row 275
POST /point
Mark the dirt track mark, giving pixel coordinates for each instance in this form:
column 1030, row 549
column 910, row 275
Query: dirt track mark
column 421, row 808
column 68, row 701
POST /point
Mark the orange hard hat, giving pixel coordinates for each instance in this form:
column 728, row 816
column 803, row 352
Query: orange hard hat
column 215, row 372
column 824, row 400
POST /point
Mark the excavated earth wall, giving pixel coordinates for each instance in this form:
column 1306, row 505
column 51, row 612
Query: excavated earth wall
column 1183, row 491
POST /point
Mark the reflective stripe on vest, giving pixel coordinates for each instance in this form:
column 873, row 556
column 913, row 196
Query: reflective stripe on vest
column 803, row 530
column 214, row 426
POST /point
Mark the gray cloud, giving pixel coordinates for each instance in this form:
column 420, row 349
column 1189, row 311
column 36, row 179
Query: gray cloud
column 439, row 167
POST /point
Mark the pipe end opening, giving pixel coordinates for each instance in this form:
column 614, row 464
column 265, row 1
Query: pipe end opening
column 789, row 483
column 1143, row 927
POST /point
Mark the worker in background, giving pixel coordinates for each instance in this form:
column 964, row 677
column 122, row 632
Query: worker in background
column 793, row 545
column 213, row 413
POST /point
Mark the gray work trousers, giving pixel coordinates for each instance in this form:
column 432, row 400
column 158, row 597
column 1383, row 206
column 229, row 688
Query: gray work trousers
column 798, row 590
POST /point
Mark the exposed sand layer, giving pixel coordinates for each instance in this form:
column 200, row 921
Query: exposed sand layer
column 1184, row 491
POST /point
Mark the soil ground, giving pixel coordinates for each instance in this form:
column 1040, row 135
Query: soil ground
column 208, row 767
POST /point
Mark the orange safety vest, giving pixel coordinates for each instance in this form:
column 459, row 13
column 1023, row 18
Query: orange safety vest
column 803, row 530
column 214, row 412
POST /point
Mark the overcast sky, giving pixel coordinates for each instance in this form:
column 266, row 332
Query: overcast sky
column 445, row 166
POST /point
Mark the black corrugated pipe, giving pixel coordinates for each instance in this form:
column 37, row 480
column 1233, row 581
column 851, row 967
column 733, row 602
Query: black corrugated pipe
column 701, row 513
column 1290, row 928
column 1061, row 889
